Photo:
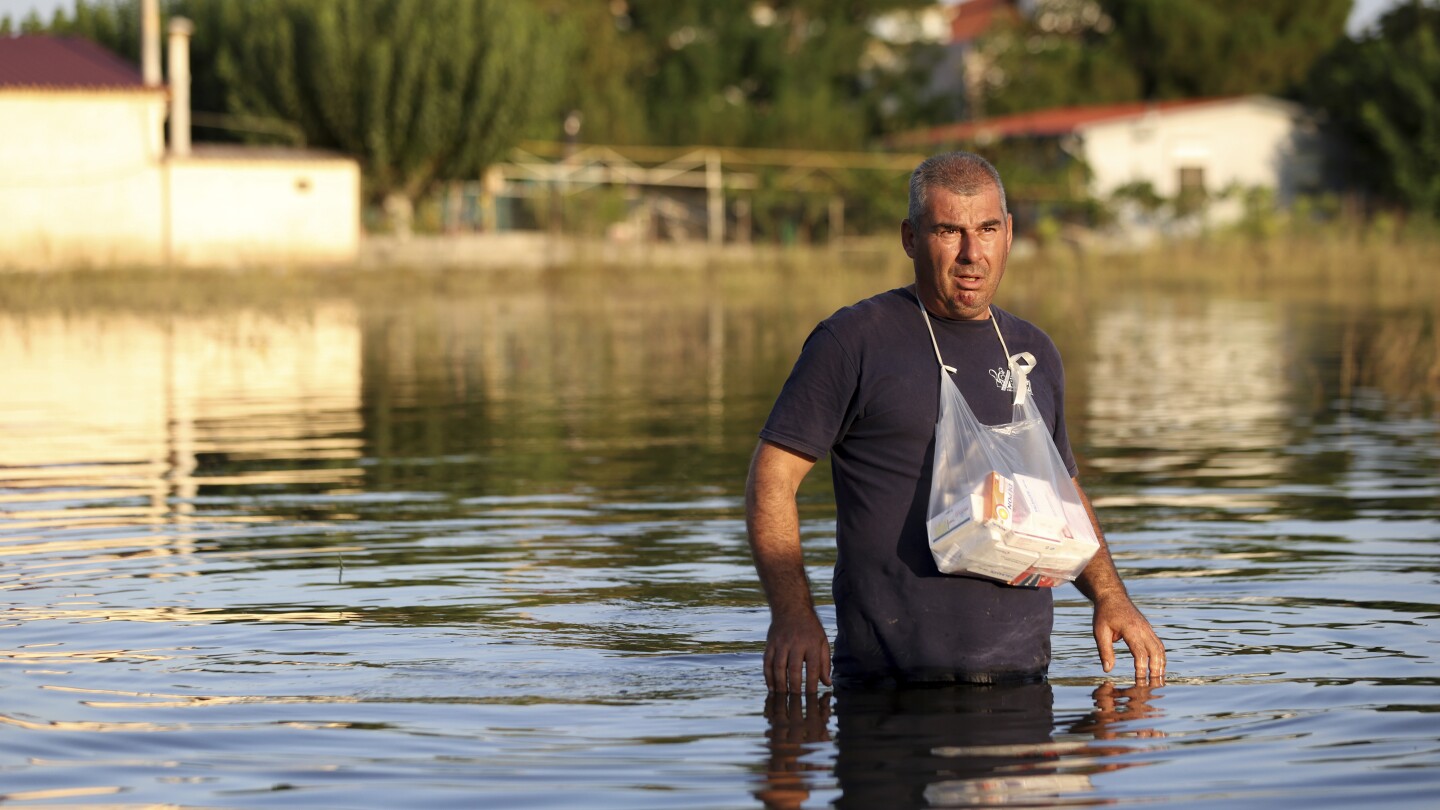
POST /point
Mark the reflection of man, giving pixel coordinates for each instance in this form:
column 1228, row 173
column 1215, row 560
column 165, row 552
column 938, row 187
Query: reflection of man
column 865, row 390
column 960, row 745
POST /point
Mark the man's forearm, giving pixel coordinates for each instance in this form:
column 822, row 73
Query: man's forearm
column 772, row 524
column 1116, row 617
column 1100, row 580
column 797, row 653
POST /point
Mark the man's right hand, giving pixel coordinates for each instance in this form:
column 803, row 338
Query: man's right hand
column 797, row 655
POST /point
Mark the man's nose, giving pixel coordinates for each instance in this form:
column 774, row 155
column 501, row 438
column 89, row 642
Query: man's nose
column 967, row 249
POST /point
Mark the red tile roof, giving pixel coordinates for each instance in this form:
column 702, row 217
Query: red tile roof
column 1042, row 123
column 974, row 17
column 64, row 63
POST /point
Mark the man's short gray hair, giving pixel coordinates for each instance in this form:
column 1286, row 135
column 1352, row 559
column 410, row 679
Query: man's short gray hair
column 958, row 173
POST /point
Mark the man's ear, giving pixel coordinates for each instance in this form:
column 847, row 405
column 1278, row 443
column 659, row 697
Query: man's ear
column 1009, row 231
column 907, row 238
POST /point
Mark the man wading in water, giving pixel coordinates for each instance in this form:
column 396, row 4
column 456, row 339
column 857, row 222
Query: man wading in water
column 865, row 390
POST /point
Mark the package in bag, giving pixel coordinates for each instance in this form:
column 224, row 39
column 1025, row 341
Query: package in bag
column 1002, row 504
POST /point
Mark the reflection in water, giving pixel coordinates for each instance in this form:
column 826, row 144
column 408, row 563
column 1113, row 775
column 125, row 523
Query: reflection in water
column 1170, row 378
column 125, row 417
column 485, row 544
column 946, row 746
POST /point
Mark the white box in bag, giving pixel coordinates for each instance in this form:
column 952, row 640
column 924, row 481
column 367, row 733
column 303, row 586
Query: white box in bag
column 1014, row 530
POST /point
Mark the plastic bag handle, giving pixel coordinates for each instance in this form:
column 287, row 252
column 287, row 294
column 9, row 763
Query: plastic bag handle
column 1020, row 364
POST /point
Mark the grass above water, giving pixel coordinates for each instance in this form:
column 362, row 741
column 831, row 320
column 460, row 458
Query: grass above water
column 1383, row 296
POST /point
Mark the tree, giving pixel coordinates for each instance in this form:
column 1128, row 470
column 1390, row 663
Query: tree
column 417, row 90
column 605, row 62
column 114, row 24
column 1039, row 62
column 1098, row 51
column 1194, row 48
column 783, row 73
column 1382, row 92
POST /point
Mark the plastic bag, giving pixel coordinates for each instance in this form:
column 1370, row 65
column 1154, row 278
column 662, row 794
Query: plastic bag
column 1002, row 504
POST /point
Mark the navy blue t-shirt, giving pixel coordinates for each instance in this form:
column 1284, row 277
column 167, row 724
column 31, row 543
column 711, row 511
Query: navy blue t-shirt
column 866, row 391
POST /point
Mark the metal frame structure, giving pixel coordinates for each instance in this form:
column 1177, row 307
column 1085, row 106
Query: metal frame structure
column 570, row 168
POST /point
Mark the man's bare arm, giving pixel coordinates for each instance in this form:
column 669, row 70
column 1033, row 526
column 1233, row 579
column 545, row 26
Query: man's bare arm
column 797, row 653
column 1116, row 616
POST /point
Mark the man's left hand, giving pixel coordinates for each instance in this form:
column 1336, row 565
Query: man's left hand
column 1118, row 619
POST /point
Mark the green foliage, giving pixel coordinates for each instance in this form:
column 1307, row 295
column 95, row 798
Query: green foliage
column 1200, row 48
column 1383, row 93
column 418, row 90
column 789, row 73
column 600, row 82
column 1030, row 68
column 1100, row 51
column 1140, row 193
column 1261, row 220
column 112, row 23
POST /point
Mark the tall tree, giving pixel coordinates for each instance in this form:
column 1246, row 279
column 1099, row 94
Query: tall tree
column 1062, row 56
column 1383, row 92
column 604, row 61
column 418, row 90
column 782, row 73
column 1097, row 51
column 1188, row 48
column 112, row 23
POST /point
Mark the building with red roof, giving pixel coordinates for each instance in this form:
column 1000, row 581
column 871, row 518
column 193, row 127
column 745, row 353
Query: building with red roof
column 973, row 18
column 66, row 63
column 1176, row 147
column 87, row 177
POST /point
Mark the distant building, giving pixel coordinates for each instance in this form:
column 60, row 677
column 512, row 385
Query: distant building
column 964, row 71
column 86, row 178
column 959, row 70
column 1202, row 146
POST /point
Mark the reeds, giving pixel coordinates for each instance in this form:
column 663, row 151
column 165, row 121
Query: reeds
column 1377, row 299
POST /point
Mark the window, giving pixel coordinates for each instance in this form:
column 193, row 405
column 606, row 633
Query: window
column 1191, row 197
column 1192, row 181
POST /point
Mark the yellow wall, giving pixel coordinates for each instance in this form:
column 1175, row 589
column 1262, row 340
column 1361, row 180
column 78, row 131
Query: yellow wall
column 79, row 178
column 135, row 389
column 85, row 182
column 231, row 208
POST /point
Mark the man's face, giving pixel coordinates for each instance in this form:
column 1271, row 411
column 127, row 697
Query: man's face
column 959, row 251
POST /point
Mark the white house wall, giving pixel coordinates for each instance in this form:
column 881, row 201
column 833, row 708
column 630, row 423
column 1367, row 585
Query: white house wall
column 85, row 182
column 79, row 178
column 239, row 210
column 1251, row 142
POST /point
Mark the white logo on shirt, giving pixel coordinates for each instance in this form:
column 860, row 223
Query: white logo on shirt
column 1003, row 378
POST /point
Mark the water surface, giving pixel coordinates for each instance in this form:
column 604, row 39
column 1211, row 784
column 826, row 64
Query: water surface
column 486, row 548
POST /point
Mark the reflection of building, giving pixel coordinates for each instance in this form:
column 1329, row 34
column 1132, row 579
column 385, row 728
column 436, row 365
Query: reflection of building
column 1199, row 388
column 86, row 178
column 135, row 407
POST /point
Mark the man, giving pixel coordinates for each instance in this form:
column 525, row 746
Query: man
column 866, row 390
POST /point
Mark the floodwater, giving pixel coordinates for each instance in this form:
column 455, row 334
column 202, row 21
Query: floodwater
column 460, row 548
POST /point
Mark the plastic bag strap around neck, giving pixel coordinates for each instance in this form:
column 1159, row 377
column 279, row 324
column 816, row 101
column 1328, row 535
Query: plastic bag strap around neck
column 1021, row 365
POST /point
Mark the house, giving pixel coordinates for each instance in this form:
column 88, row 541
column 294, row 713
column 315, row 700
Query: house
column 954, row 28
column 1200, row 147
column 87, row 178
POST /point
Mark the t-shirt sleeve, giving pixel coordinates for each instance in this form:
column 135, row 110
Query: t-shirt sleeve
column 817, row 399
